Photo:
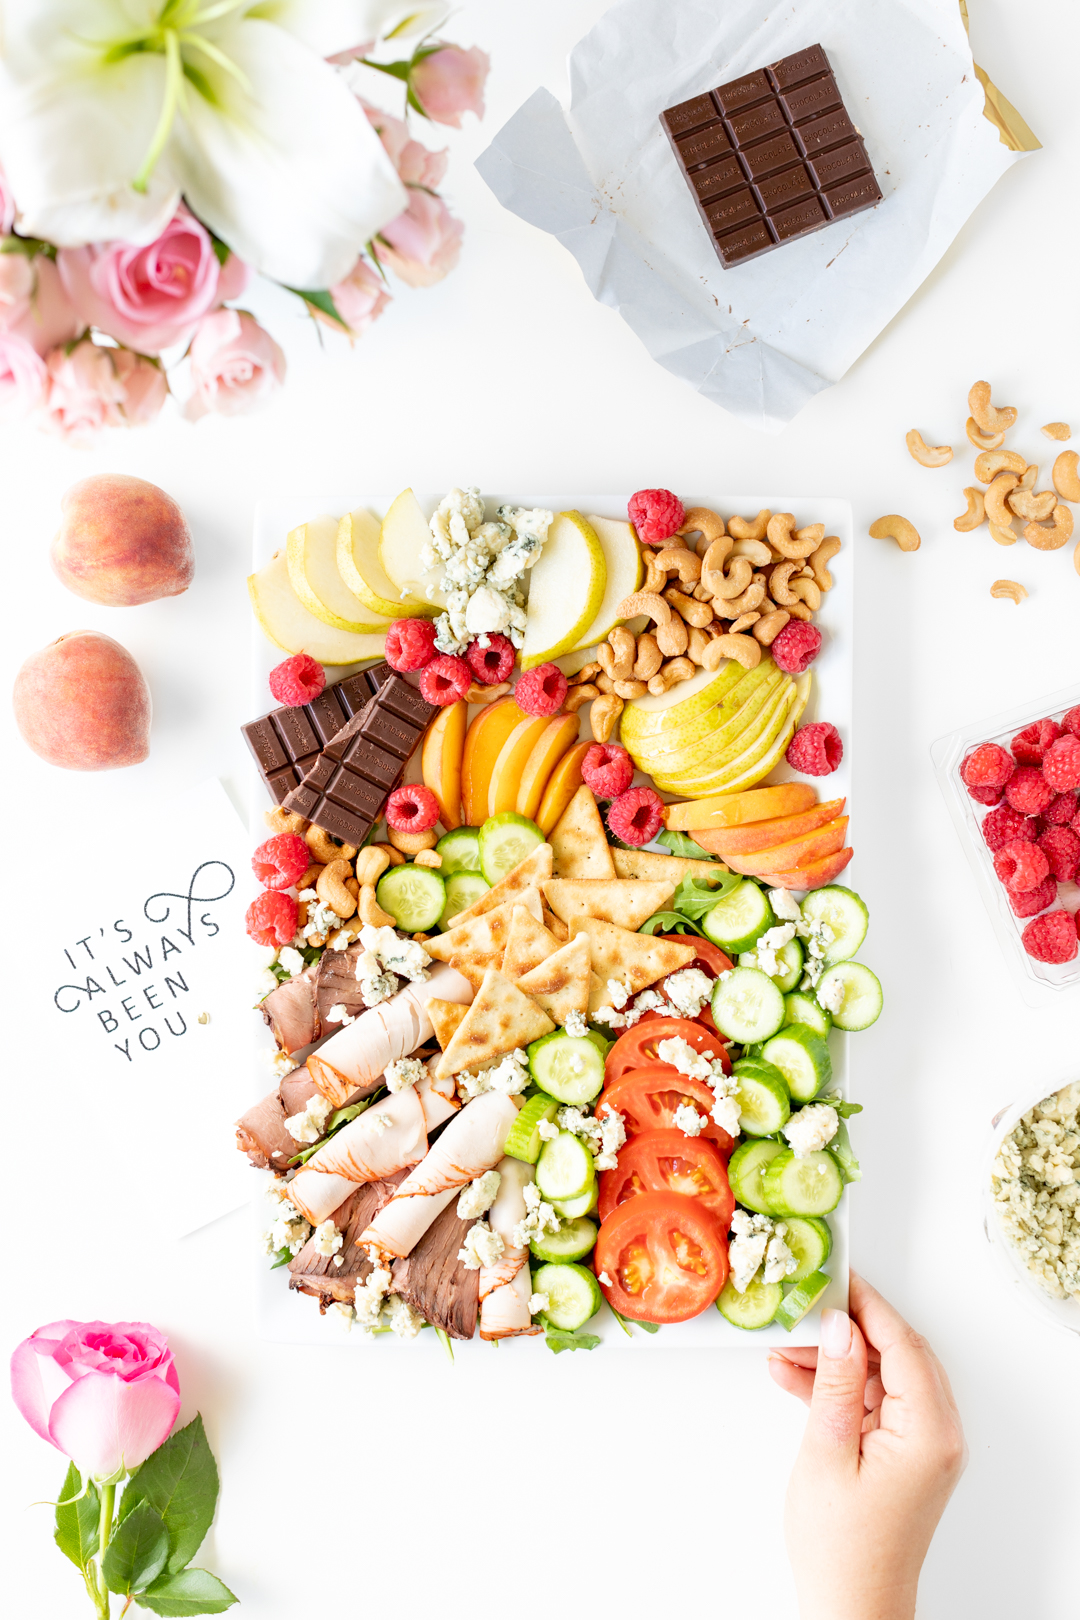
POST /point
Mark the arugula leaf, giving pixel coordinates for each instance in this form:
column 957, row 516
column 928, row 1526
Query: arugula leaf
column 281, row 1258
column 445, row 1340
column 669, row 922
column 844, row 1109
column 180, row 1481
column 841, row 1150
column 680, row 843
column 76, row 1529
column 340, row 1117
column 559, row 1340
column 697, row 895
column 189, row 1591
column 137, row 1552
column 629, row 1323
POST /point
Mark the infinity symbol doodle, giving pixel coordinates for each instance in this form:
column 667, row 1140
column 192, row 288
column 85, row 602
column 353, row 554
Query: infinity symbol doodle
column 191, row 898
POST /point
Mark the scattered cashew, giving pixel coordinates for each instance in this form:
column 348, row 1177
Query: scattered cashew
column 1064, row 476
column 326, row 849
column 410, row 843
column 669, row 674
column 750, row 528
column 579, row 695
column 1003, row 536
column 479, row 695
column 1028, row 478
column 994, row 499
column 937, row 456
column 790, row 543
column 702, row 520
column 603, row 715
column 696, row 643
column 428, row 857
column 1051, row 539
column 758, row 551
column 744, row 623
column 630, row 689
column 983, row 441
column 331, row 888
column 310, row 877
column 648, row 658
column 371, row 863
column 820, row 559
column 806, row 590
column 1037, row 508
column 680, row 560
column 394, row 856
column 370, row 912
column 991, row 462
column 769, row 627
column 1057, row 430
column 895, row 527
column 975, row 514
column 744, row 649
column 280, row 820
column 1010, row 588
column 990, row 418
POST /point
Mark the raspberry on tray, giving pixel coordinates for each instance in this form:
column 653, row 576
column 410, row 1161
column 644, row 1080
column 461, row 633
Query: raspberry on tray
column 1004, row 824
column 1051, row 938
column 297, row 680
column 1061, row 847
column 607, row 769
column 272, row 918
column 636, row 816
column 1030, row 745
column 491, row 664
column 656, row 514
column 1071, row 721
column 410, row 644
column 413, row 808
column 987, row 766
column 1021, row 866
column 1060, row 811
column 1061, row 764
column 541, row 691
column 281, row 861
column 1026, row 905
column 796, row 646
column 445, row 680
column 815, row 750
column 1028, row 790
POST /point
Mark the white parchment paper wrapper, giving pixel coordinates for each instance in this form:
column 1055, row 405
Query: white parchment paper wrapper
column 762, row 338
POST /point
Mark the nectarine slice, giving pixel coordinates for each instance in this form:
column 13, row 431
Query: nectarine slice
column 563, row 783
column 512, row 759
column 440, row 762
column 483, row 743
column 757, row 835
column 814, row 876
column 560, row 733
column 801, row 851
column 732, row 809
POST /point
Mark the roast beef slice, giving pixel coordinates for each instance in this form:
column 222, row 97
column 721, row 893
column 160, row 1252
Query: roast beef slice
column 435, row 1282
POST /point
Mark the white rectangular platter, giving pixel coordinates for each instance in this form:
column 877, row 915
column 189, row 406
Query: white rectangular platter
column 289, row 1318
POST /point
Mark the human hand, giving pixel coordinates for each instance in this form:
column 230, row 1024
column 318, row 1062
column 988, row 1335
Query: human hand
column 882, row 1453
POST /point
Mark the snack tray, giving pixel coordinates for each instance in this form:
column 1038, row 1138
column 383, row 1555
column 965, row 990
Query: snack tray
column 287, row 1318
column 1036, row 978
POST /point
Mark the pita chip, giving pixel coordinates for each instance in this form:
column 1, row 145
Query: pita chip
column 555, row 926
column 491, row 928
column 635, row 960
column 579, row 845
column 654, row 868
column 445, row 1017
column 529, row 944
column 625, row 901
column 527, row 874
column 500, row 1019
column 561, row 983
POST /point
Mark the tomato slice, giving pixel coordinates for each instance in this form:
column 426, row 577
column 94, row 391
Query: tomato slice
column 664, row 1257
column 637, row 1049
column 710, row 958
column 669, row 1161
column 647, row 1099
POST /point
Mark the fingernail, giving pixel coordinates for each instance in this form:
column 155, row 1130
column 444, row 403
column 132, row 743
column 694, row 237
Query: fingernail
column 835, row 1334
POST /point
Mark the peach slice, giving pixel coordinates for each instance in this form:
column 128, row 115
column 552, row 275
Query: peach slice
column 560, row 733
column 483, row 744
column 440, row 762
column 814, row 876
column 563, row 783
column 797, row 852
column 732, row 809
column 511, row 762
column 755, row 835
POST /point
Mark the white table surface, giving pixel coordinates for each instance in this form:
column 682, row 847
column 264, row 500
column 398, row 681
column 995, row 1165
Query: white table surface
column 509, row 375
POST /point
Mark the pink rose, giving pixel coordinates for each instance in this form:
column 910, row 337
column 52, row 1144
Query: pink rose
column 235, row 365
column 233, row 278
column 360, row 299
column 33, row 302
column 84, row 392
column 147, row 297
column 22, row 377
column 414, row 162
column 16, row 289
column 423, row 244
column 105, row 1394
column 145, row 387
column 450, row 82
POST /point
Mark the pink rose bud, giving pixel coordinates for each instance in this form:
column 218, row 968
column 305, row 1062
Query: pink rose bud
column 84, row 392
column 145, row 387
column 423, row 244
column 360, row 299
column 450, row 82
column 233, row 278
column 414, row 162
column 33, row 302
column 105, row 1394
column 23, row 377
column 235, row 365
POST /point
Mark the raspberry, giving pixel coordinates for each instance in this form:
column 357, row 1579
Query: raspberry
column 493, row 663
column 608, row 769
column 985, row 795
column 1026, row 905
column 445, row 680
column 410, row 644
column 636, row 816
column 1061, row 764
column 986, row 766
column 412, row 809
column 1021, row 866
column 655, row 514
column 281, row 861
column 541, row 690
column 1060, row 811
column 297, row 680
column 1062, row 850
column 816, row 750
column 1051, row 938
column 1004, row 824
column 272, row 918
column 1030, row 745
column 796, row 647
column 1028, row 790
column 1071, row 721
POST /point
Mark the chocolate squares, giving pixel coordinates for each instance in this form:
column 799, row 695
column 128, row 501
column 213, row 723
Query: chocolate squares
column 286, row 742
column 771, row 156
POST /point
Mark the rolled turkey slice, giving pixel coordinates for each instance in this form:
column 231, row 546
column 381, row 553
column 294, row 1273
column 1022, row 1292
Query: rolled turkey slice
column 506, row 1288
column 355, row 1059
column 470, row 1144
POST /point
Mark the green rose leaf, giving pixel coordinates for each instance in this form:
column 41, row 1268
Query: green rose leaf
column 137, row 1552
column 320, row 300
column 180, row 1481
column 76, row 1530
column 189, row 1591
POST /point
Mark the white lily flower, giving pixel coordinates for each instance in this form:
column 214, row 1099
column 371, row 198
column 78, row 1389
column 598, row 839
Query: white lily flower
column 110, row 110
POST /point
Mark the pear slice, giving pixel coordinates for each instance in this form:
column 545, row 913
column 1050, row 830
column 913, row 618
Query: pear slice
column 625, row 572
column 288, row 624
column 566, row 587
column 311, row 556
column 358, row 563
column 405, row 533
column 654, row 715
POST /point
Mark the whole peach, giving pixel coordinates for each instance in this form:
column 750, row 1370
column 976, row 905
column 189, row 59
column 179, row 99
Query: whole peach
column 82, row 702
column 122, row 541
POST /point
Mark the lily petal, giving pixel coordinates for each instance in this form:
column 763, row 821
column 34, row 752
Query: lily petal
column 330, row 26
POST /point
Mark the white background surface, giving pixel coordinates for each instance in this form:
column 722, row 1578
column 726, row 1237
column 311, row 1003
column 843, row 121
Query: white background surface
column 508, row 375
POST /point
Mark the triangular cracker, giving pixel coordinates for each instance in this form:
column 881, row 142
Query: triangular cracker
column 646, row 863
column 555, row 926
column 527, row 874
column 445, row 1017
column 561, row 984
column 500, row 1019
column 578, row 842
column 635, row 960
column 625, row 901
column 529, row 944
column 463, row 935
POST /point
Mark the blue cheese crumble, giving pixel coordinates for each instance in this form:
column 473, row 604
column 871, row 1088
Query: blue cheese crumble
column 475, row 565
column 482, row 1247
column 809, row 1130
column 477, row 1198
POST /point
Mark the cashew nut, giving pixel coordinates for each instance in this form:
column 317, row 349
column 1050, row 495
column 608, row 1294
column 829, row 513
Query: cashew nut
column 744, row 649
column 751, row 598
column 331, row 888
column 603, row 715
column 1064, row 476
column 990, row 418
column 607, row 662
column 680, row 560
column 394, row 856
column 1026, row 504
column 799, row 610
column 703, row 521
column 806, row 590
column 1028, row 478
column 1057, row 430
column 938, row 456
column 624, row 646
column 649, row 657
column 1008, row 587
column 769, row 626
column 410, row 842
column 720, row 584
column 655, row 578
column 479, row 695
column 1051, row 539
column 604, row 684
column 696, row 643
column 791, row 544
column 758, row 551
column 585, row 673
column 895, row 527
column 981, row 440
column 310, row 877
column 369, row 910
column 672, row 637
column 578, row 695
column 628, row 690
column 690, row 611
column 744, row 622
column 779, row 583
column 428, row 857
column 991, row 462
column 975, row 514
column 669, row 674
column 750, row 528
column 280, row 820
column 650, row 603
column 994, row 499
column 353, row 886
column 1003, row 536
column 820, row 559
column 371, row 863
column 327, row 849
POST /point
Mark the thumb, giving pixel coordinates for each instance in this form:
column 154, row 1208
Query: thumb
column 836, row 1406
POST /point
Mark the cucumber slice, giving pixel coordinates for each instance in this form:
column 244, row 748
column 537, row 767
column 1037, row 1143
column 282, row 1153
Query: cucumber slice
column 791, row 956
column 802, row 1298
column 811, row 1185
column 845, row 914
column 415, row 896
column 740, row 918
column 505, row 840
column 763, row 1098
column 565, row 1167
column 746, row 1169
column 571, row 1209
column 573, row 1295
column 462, row 890
column 754, row 1308
column 569, row 1067
column 803, row 1008
column 863, row 999
column 810, row 1241
column 747, row 1006
column 460, row 850
column 572, row 1241
column 523, row 1139
column 802, row 1058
